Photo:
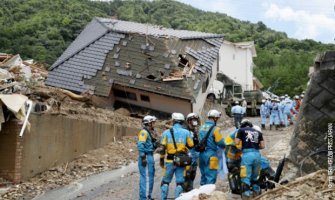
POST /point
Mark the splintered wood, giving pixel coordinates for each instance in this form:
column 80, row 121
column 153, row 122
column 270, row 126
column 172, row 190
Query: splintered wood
column 174, row 75
column 311, row 186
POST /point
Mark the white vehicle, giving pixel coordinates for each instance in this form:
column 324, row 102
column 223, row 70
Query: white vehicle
column 216, row 91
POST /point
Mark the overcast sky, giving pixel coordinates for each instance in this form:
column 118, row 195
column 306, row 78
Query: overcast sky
column 301, row 19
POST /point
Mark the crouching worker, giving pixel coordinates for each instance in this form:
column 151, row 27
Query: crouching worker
column 175, row 142
column 193, row 123
column 210, row 139
column 146, row 145
column 252, row 141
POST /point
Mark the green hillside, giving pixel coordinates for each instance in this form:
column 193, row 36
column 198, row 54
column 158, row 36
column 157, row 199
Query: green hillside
column 42, row 29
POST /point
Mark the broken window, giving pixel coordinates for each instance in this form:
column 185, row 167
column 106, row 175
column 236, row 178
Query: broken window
column 125, row 94
column 145, row 98
column 183, row 62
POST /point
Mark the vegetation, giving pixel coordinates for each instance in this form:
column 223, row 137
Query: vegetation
column 42, row 29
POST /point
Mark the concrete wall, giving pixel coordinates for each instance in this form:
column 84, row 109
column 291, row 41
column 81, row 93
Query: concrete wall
column 53, row 139
column 237, row 64
column 157, row 102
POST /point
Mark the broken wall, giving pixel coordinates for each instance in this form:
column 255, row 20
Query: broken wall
column 309, row 143
column 53, row 139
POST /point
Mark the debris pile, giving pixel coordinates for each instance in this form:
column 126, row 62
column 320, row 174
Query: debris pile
column 311, row 186
column 112, row 156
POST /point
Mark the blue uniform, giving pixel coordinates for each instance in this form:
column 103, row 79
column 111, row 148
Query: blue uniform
column 238, row 112
column 268, row 106
column 263, row 113
column 251, row 159
column 281, row 112
column 146, row 148
column 274, row 117
column 208, row 160
column 233, row 153
column 183, row 140
column 288, row 106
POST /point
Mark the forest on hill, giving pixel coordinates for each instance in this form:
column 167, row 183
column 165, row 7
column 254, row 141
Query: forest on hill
column 42, row 29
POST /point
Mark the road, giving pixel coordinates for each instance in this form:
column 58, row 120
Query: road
column 123, row 183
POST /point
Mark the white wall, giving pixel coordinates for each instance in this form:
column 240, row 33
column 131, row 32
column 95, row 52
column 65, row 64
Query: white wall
column 200, row 101
column 236, row 63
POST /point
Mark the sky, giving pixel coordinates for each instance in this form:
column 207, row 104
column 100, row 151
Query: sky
column 300, row 19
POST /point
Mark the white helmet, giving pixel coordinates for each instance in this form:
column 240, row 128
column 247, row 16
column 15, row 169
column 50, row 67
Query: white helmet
column 257, row 128
column 236, row 102
column 177, row 117
column 214, row 113
column 263, row 100
column 147, row 119
column 302, row 96
column 192, row 116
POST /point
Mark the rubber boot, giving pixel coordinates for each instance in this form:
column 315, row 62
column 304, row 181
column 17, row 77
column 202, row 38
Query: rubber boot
column 270, row 126
column 263, row 126
column 256, row 190
column 178, row 191
column 164, row 191
column 277, row 127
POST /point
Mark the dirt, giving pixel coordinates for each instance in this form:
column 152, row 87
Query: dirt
column 112, row 156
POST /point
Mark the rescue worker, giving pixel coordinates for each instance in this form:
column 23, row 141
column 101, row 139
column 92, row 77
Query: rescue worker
column 210, row 139
column 146, row 146
column 274, row 116
column 263, row 112
column 233, row 153
column 288, row 109
column 252, row 141
column 301, row 98
column 175, row 142
column 193, row 124
column 281, row 105
column 237, row 112
column 296, row 103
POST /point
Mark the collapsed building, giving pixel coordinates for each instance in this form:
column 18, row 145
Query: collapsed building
column 139, row 65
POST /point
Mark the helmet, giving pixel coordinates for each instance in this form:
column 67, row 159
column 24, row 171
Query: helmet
column 296, row 97
column 257, row 128
column 214, row 113
column 302, row 96
column 282, row 97
column 236, row 102
column 286, row 95
column 192, row 116
column 303, row 92
column 177, row 117
column 147, row 119
column 263, row 100
column 245, row 123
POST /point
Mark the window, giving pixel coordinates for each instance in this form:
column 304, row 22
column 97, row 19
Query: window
column 205, row 85
column 125, row 94
column 145, row 98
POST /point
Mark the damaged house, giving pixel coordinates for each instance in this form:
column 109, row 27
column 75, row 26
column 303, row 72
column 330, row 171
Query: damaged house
column 140, row 65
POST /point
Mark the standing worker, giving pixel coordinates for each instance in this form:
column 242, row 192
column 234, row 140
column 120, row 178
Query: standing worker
column 210, row 139
column 193, row 124
column 252, row 141
column 146, row 146
column 274, row 116
column 237, row 112
column 175, row 142
column 244, row 105
column 263, row 113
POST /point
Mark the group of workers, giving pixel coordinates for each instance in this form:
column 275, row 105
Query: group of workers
column 188, row 145
column 281, row 111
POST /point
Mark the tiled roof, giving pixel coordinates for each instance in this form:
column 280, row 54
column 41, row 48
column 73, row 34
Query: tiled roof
column 154, row 30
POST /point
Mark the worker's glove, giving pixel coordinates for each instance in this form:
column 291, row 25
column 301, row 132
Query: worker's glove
column 161, row 162
column 144, row 161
